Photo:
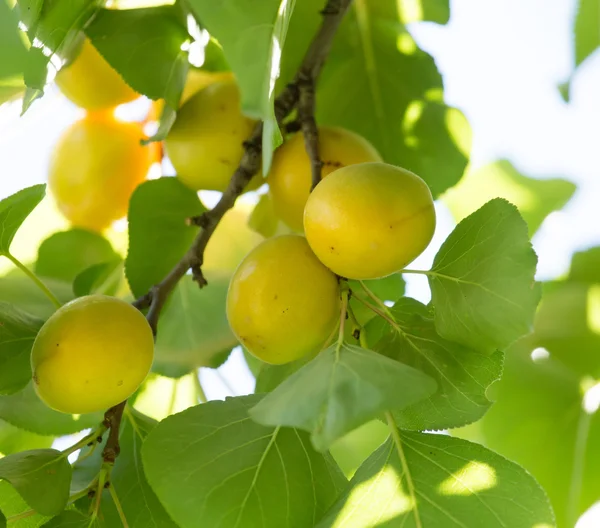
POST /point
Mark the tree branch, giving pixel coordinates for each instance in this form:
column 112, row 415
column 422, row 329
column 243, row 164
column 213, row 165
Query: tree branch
column 301, row 89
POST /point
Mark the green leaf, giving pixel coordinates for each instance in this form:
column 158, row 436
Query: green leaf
column 353, row 449
column 585, row 266
column 104, row 278
column 424, row 10
column 17, row 333
column 41, row 476
column 18, row 289
column 158, row 232
column 340, row 390
column 13, row 439
column 236, row 472
column 2, row 520
column 534, row 198
column 65, row 255
column 145, row 47
column 12, row 48
column 567, row 324
column 193, row 329
column 482, row 280
column 397, row 105
column 69, row 519
column 25, row 410
column 263, row 218
column 140, row 505
column 587, row 29
column 271, row 376
column 56, row 25
column 14, row 210
column 252, row 35
column 463, row 375
column 538, row 420
column 12, row 504
column 430, row 481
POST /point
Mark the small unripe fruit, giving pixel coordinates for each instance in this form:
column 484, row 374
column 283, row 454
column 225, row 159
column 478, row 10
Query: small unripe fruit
column 91, row 83
column 282, row 303
column 96, row 165
column 290, row 177
column 205, row 143
column 369, row 220
column 91, row 354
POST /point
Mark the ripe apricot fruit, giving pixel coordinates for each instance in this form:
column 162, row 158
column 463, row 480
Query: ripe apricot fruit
column 91, row 83
column 196, row 80
column 205, row 142
column 369, row 220
column 96, row 165
column 91, row 354
column 290, row 177
column 282, row 303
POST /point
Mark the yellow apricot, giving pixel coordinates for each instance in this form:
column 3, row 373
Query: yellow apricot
column 91, row 354
column 96, row 165
column 369, row 220
column 205, row 142
column 196, row 80
column 91, row 83
column 290, row 175
column 282, row 303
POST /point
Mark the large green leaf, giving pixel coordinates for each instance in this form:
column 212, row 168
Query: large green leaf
column 236, row 472
column 13, row 439
column 567, row 324
column 12, row 48
column 252, row 35
column 56, row 26
column 69, row 519
column 463, row 375
column 482, row 279
column 424, row 10
column 41, row 476
column 158, row 231
column 64, row 255
column 587, row 29
column 539, row 421
column 17, row 333
column 193, row 330
column 534, row 198
column 25, row 410
column 18, row 289
column 378, row 83
column 140, row 505
column 13, row 505
column 340, row 390
column 14, row 210
column 585, row 266
column 432, row 481
column 147, row 48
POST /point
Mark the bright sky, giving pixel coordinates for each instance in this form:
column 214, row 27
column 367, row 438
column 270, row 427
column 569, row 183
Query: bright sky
column 502, row 61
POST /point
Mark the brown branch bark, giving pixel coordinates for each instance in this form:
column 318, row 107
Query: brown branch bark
column 300, row 89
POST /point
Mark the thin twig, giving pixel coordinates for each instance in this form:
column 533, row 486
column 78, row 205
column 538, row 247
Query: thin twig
column 306, row 116
column 285, row 102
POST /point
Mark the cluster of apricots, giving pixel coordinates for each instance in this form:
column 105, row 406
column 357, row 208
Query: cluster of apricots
column 364, row 220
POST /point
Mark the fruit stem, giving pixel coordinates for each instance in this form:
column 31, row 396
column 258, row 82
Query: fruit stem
column 357, row 327
column 377, row 300
column 389, row 318
column 34, row 278
column 102, row 479
column 92, row 438
column 115, row 498
column 344, row 313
